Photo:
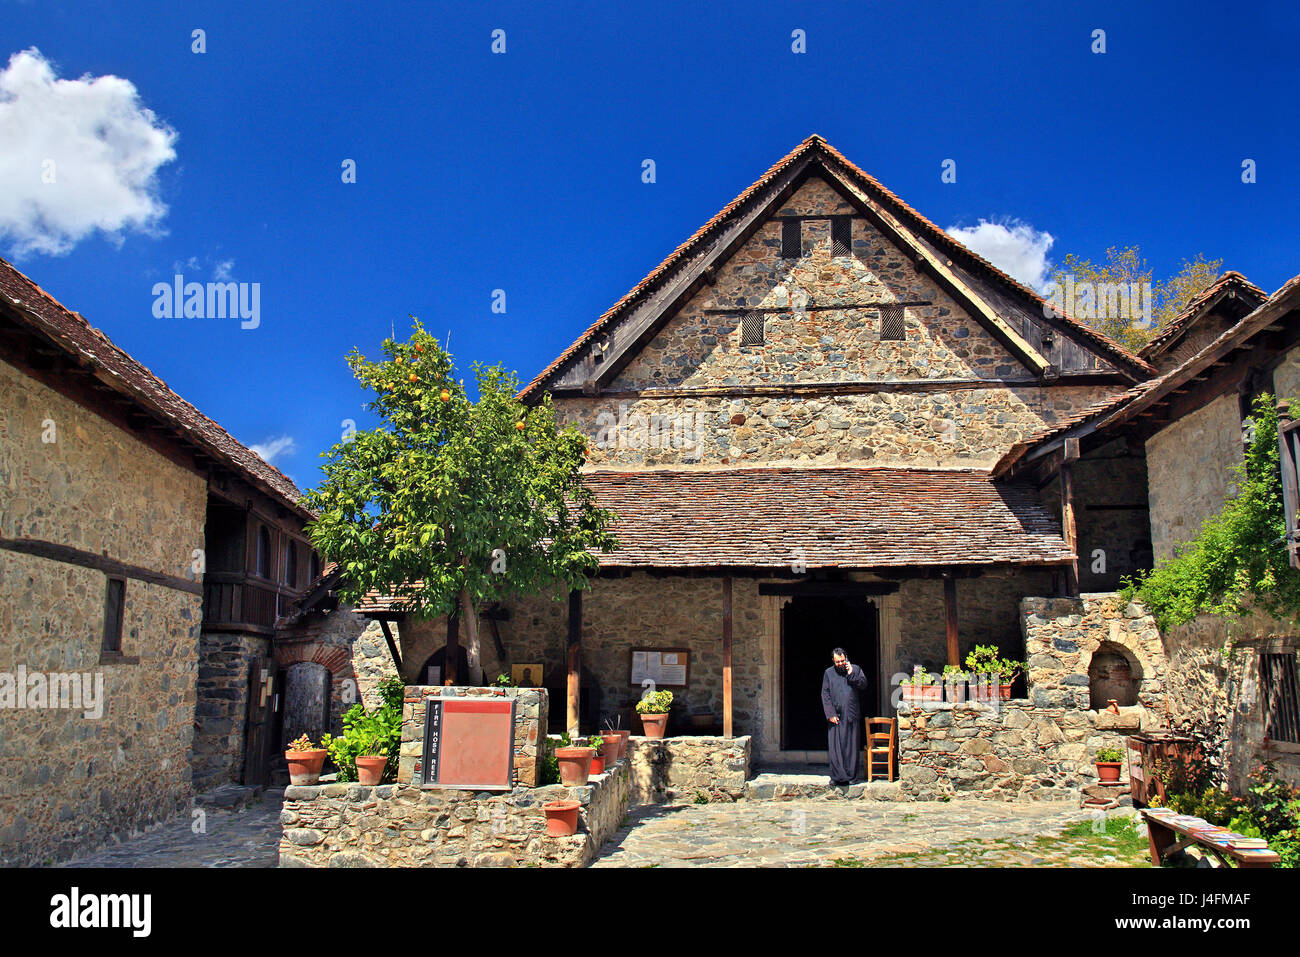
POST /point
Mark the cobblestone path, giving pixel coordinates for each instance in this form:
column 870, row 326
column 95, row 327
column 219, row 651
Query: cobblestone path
column 813, row 833
column 245, row 838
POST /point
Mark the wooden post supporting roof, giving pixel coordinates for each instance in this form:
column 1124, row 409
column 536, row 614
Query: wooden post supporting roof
column 575, row 659
column 451, row 654
column 950, row 617
column 1068, row 526
column 726, row 658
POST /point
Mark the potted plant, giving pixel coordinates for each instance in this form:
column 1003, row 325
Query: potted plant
column 561, row 818
column 610, row 748
column 372, row 760
column 653, row 709
column 985, row 661
column 305, row 760
column 613, row 730
column 954, row 683
column 575, row 762
column 1110, row 761
column 504, row 681
column 921, row 687
column 370, row 739
column 597, row 744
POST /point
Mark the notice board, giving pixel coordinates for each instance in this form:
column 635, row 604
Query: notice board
column 469, row 743
column 666, row 667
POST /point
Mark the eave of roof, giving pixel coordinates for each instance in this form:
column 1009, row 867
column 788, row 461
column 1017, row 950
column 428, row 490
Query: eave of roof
column 38, row 310
column 1198, row 305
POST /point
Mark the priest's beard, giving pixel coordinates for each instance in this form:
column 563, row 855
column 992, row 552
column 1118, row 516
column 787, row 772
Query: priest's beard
column 841, row 669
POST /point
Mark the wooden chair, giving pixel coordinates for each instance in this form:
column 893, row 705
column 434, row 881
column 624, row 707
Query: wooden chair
column 882, row 745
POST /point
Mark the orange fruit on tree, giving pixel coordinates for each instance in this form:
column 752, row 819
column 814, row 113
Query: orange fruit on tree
column 412, row 377
column 446, row 396
column 519, row 426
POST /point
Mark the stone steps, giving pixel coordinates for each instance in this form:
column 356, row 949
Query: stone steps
column 802, row 784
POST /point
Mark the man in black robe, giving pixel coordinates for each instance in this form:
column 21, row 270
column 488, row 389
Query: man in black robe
column 840, row 687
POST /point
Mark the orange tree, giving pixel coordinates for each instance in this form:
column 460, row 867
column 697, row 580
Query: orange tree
column 450, row 503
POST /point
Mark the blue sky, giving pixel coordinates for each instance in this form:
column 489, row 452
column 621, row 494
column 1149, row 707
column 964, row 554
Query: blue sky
column 522, row 171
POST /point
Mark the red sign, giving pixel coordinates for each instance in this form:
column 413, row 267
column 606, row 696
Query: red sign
column 469, row 743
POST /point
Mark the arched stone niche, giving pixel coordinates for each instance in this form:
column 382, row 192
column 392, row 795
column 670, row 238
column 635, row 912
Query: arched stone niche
column 306, row 700
column 1114, row 673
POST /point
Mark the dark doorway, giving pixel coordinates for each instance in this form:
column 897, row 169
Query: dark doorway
column 259, row 721
column 811, row 626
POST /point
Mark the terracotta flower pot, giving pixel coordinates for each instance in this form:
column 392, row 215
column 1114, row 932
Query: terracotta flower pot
column 955, row 692
column 304, row 766
column 610, row 748
column 624, row 741
column 370, row 768
column 575, row 765
column 561, row 818
column 1108, row 771
column 654, row 724
column 1004, row 691
column 597, row 764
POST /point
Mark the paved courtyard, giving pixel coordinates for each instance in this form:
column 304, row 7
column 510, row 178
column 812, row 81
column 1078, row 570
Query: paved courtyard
column 799, row 833
column 818, row 833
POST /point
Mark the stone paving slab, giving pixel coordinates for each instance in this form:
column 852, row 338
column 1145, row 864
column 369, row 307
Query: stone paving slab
column 811, row 833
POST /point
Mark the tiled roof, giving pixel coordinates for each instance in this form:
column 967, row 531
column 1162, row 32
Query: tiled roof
column 837, row 517
column 38, row 310
column 819, row 517
column 1180, row 322
column 933, row 234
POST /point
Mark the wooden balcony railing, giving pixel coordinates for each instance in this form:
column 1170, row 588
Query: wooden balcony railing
column 233, row 599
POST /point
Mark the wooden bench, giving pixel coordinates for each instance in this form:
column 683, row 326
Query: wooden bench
column 1167, row 838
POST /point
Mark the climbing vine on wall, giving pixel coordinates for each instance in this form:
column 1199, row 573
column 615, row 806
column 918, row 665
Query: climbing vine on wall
column 1238, row 559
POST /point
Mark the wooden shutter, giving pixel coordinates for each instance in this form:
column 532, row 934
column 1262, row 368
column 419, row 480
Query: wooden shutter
column 841, row 236
column 1288, row 437
column 891, row 321
column 751, row 329
column 1280, row 682
column 791, row 239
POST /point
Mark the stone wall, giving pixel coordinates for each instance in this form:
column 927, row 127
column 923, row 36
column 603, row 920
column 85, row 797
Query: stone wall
column 1215, row 691
column 673, row 770
column 945, row 404
column 1187, row 469
column 68, row 782
column 1041, row 747
column 221, row 713
column 404, row 825
column 529, row 731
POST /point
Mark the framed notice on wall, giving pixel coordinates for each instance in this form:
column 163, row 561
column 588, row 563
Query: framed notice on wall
column 666, row 667
column 469, row 743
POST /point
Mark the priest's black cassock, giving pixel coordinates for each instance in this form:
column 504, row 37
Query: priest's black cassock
column 840, row 700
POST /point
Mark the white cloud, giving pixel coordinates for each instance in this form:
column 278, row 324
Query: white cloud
column 78, row 156
column 1014, row 247
column 273, row 448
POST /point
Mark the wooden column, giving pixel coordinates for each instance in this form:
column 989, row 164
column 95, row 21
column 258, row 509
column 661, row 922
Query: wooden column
column 1068, row 526
column 575, row 660
column 451, row 654
column 726, row 658
column 950, row 616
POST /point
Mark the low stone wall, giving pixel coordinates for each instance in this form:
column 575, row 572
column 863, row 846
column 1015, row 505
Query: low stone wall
column 404, row 825
column 669, row 770
column 1014, row 751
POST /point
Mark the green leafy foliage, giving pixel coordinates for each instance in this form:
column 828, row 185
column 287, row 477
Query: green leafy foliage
column 656, row 702
column 919, row 678
column 452, row 502
column 1238, row 558
column 301, row 743
column 1110, row 755
column 987, row 660
column 368, row 733
column 504, row 681
column 550, row 763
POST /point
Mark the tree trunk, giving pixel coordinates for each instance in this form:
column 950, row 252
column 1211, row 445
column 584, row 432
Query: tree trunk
column 469, row 616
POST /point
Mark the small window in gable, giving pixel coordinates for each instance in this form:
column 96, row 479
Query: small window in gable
column 751, row 329
column 791, row 239
column 891, row 321
column 841, row 236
